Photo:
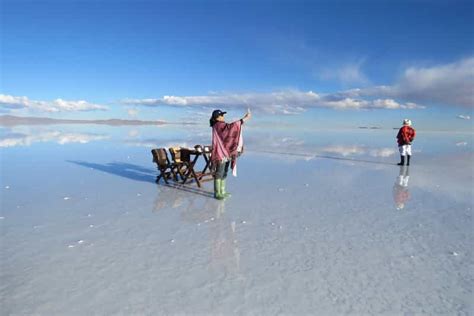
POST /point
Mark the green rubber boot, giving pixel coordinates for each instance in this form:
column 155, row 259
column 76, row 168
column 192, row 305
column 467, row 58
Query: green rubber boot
column 217, row 189
column 223, row 192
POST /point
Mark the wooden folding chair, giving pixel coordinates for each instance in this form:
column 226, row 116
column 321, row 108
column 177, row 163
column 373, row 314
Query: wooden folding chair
column 165, row 167
column 180, row 166
column 186, row 155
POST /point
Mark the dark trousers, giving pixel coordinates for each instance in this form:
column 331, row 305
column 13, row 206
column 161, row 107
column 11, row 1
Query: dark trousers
column 221, row 170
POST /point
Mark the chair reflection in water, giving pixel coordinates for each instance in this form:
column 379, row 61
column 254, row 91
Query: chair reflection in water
column 401, row 195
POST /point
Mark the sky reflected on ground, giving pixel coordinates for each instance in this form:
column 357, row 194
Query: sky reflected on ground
column 323, row 217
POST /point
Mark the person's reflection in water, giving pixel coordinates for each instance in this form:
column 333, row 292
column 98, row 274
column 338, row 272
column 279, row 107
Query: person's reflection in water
column 225, row 252
column 175, row 196
column 169, row 197
column 205, row 212
column 400, row 188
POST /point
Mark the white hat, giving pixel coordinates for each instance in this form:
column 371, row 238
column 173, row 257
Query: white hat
column 407, row 122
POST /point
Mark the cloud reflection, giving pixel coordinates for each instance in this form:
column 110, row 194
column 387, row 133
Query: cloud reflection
column 62, row 138
column 296, row 148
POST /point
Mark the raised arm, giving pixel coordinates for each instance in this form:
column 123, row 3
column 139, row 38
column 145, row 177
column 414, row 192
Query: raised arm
column 247, row 116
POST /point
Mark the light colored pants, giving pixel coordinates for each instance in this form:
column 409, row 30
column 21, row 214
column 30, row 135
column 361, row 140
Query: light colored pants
column 403, row 181
column 405, row 150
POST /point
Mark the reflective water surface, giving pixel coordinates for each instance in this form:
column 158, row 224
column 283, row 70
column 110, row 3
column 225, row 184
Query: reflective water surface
column 319, row 222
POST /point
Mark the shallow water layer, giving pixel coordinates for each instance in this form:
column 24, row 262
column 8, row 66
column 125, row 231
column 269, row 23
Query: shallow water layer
column 319, row 222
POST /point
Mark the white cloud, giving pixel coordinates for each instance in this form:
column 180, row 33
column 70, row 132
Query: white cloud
column 283, row 102
column 351, row 103
column 11, row 102
column 392, row 104
column 280, row 102
column 464, row 117
column 449, row 84
column 452, row 83
column 346, row 103
column 350, row 73
column 58, row 105
column 279, row 98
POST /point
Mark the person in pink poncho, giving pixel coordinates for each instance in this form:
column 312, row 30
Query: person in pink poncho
column 227, row 145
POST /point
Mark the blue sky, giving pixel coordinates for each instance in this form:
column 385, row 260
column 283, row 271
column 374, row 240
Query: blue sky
column 335, row 62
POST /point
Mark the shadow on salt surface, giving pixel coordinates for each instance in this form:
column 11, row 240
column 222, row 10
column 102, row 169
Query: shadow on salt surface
column 122, row 169
column 139, row 173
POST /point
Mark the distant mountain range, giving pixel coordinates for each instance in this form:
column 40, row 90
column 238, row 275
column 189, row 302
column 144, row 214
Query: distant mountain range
column 10, row 120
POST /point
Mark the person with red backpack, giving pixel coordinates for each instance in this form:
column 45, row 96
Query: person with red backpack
column 405, row 137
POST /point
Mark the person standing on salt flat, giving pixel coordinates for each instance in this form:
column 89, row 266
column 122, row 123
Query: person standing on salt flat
column 405, row 137
column 227, row 145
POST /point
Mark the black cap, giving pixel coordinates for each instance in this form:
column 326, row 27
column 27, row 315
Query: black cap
column 217, row 113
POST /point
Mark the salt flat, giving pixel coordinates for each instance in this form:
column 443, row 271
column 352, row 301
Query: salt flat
column 319, row 222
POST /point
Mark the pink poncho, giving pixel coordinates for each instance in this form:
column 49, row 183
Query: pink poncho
column 227, row 142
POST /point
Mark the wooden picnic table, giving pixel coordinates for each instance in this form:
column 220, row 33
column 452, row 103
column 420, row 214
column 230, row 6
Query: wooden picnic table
column 190, row 157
